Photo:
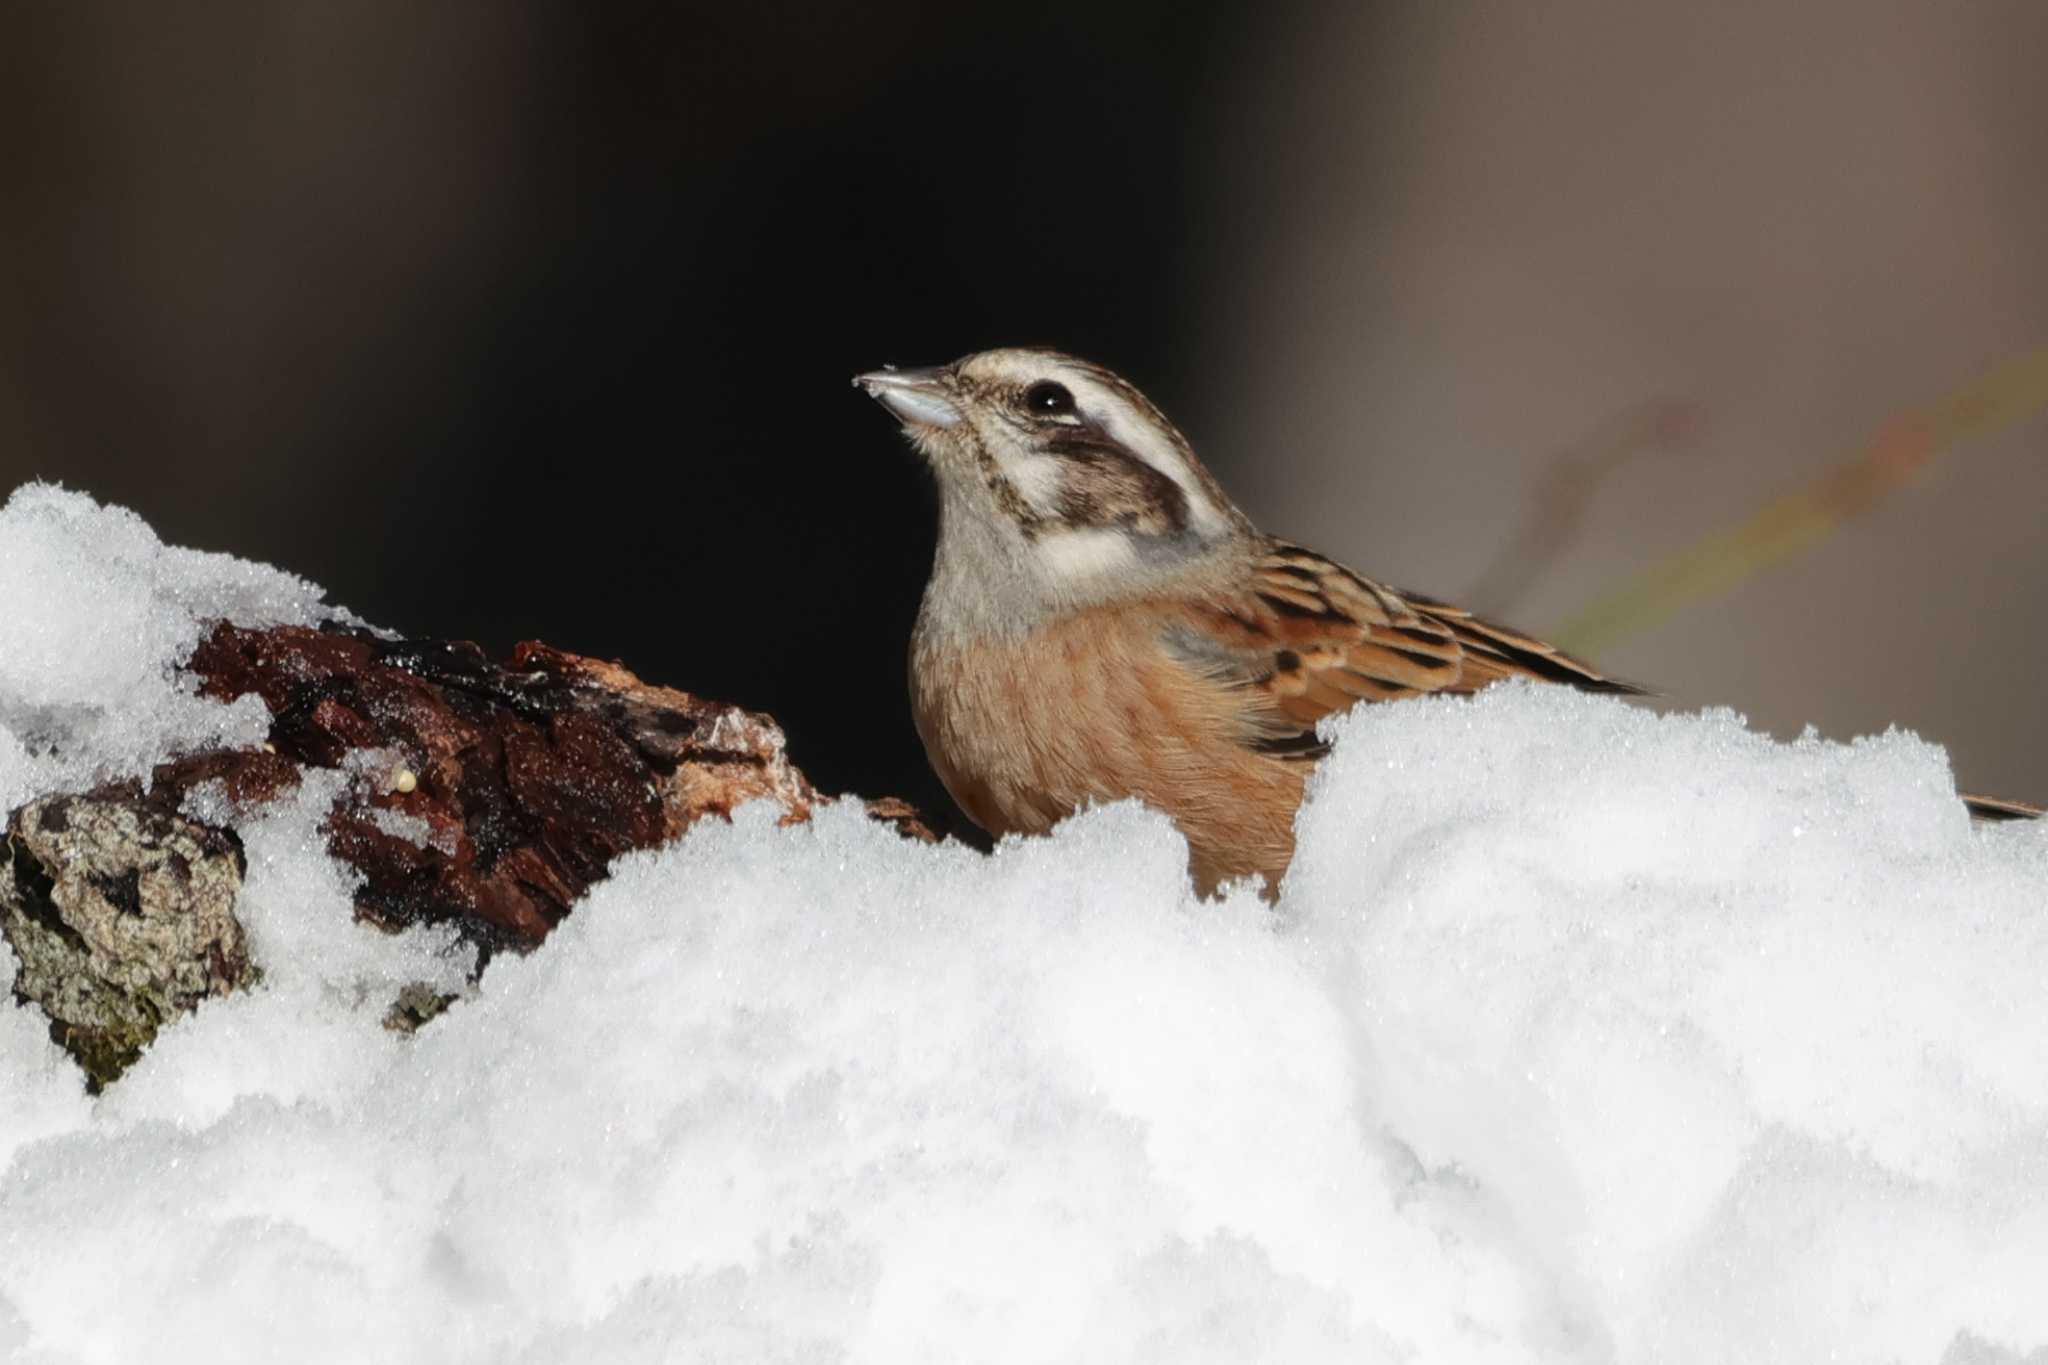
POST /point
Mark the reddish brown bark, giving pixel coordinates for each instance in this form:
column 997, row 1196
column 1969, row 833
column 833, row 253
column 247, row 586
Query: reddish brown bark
column 529, row 776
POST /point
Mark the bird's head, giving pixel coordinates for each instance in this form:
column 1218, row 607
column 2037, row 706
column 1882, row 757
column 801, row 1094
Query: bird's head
column 1059, row 477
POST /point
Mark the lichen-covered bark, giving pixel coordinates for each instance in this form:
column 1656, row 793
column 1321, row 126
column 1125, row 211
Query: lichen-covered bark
column 122, row 917
column 487, row 796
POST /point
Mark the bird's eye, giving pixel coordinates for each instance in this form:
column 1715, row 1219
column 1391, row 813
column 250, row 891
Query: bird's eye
column 1047, row 399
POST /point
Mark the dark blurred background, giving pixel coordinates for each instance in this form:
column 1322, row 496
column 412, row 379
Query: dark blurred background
column 508, row 320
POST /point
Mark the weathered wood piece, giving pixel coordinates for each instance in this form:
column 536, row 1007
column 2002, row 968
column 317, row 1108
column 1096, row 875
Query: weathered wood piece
column 487, row 796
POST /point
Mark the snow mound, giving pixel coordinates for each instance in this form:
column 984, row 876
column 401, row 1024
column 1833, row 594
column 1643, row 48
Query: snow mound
column 1579, row 1034
column 95, row 612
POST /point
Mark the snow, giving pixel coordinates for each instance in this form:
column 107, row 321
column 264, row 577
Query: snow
column 98, row 610
column 1579, row 1034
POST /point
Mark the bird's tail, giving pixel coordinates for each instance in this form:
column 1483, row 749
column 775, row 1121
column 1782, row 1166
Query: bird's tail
column 1992, row 808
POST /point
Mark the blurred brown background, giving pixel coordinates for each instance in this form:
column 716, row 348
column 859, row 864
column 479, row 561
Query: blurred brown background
column 515, row 319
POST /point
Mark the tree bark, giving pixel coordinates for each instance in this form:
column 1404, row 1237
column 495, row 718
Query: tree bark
column 489, row 796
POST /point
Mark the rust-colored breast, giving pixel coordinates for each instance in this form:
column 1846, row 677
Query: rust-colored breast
column 1091, row 708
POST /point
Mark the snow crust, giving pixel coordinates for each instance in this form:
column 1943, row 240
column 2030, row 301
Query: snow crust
column 1579, row 1034
column 94, row 613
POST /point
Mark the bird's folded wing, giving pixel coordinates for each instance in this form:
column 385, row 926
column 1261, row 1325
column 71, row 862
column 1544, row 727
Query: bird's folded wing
column 1309, row 638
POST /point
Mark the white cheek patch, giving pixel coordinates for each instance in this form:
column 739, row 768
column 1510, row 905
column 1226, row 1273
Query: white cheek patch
column 1037, row 480
column 1080, row 556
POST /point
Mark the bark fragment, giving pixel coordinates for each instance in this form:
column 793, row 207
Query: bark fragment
column 122, row 917
column 488, row 796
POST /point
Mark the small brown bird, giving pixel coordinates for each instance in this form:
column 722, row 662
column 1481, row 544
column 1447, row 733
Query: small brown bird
column 1103, row 622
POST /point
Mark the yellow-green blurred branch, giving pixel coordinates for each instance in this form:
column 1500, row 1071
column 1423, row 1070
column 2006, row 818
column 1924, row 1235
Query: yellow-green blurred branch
column 1903, row 449
column 1563, row 498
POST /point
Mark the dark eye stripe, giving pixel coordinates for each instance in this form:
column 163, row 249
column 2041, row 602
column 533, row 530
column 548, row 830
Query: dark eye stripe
column 1106, row 485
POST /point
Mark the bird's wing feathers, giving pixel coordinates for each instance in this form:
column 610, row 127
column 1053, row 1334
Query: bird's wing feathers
column 1309, row 637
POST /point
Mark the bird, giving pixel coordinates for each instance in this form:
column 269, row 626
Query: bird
column 1102, row 622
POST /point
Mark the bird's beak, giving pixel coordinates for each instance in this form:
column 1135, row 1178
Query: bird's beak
column 920, row 398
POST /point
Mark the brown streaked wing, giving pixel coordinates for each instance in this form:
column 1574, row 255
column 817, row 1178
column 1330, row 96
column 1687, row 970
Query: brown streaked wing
column 1309, row 638
column 1503, row 652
